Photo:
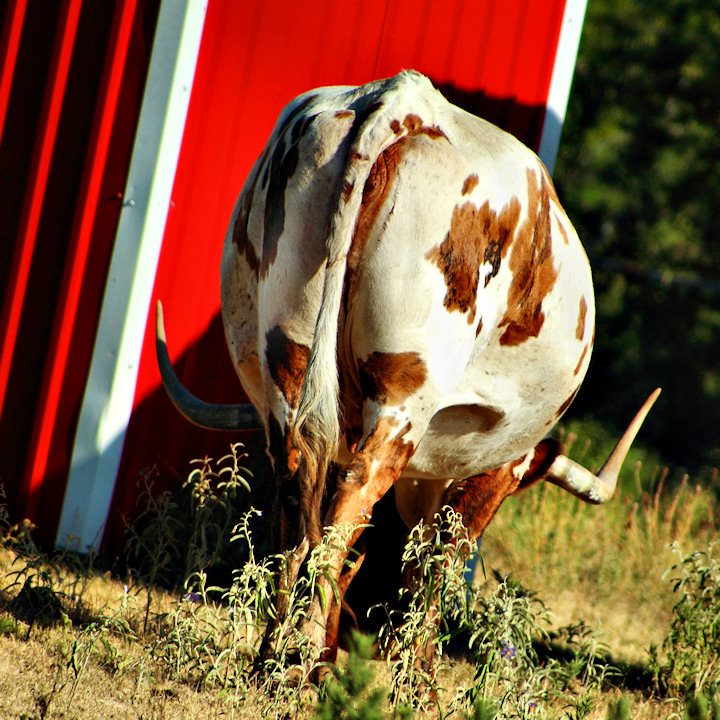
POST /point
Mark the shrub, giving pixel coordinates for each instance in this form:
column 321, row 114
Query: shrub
column 692, row 647
column 348, row 694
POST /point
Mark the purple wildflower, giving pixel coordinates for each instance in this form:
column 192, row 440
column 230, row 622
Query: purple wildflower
column 508, row 652
column 532, row 703
column 192, row 597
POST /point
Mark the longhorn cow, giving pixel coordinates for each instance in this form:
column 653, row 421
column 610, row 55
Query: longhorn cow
column 403, row 296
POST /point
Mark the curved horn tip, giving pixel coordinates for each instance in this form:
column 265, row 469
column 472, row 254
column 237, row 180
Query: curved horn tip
column 653, row 397
column 160, row 322
column 611, row 469
column 597, row 489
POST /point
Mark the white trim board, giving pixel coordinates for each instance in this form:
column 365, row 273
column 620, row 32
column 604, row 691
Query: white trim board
column 110, row 389
column 563, row 70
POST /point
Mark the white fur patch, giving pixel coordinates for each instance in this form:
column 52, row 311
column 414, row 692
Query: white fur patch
column 520, row 470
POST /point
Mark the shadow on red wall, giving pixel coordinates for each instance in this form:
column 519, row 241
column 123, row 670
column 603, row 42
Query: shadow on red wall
column 523, row 121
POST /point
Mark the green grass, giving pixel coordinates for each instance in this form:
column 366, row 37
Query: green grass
column 582, row 612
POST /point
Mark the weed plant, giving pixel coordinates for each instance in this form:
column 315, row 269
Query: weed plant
column 167, row 542
column 489, row 649
column 213, row 637
column 499, row 632
column 691, row 649
column 176, row 534
column 604, row 564
column 435, row 601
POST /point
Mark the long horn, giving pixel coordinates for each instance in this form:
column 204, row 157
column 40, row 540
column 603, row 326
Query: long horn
column 599, row 488
column 207, row 415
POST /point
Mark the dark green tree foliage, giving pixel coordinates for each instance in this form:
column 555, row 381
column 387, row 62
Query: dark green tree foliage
column 639, row 175
column 348, row 695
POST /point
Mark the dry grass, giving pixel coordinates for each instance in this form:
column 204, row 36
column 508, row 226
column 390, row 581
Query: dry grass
column 51, row 672
column 37, row 681
column 603, row 566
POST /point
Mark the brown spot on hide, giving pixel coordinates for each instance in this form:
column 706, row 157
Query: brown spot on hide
column 240, row 232
column 279, row 169
column 390, row 378
column 342, row 114
column 580, row 331
column 415, row 126
column 470, row 184
column 478, row 498
column 476, row 236
column 566, row 404
column 287, row 362
column 531, row 264
column 580, row 361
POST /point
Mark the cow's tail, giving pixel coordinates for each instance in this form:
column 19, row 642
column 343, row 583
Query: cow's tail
column 316, row 430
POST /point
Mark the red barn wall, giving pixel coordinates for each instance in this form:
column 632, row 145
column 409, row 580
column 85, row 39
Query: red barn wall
column 494, row 58
column 71, row 85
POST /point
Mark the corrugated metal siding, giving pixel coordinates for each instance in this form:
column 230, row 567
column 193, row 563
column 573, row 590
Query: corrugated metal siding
column 71, row 86
column 73, row 74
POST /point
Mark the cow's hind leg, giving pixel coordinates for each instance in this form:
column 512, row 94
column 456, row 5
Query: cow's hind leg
column 475, row 500
column 374, row 467
column 478, row 498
